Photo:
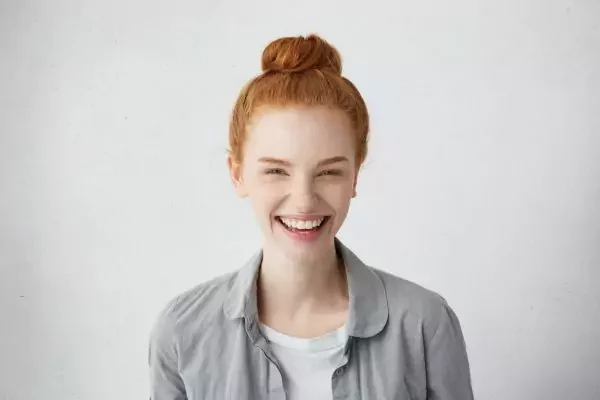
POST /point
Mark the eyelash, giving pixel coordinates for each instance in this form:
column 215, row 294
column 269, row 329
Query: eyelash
column 279, row 171
column 331, row 172
column 275, row 171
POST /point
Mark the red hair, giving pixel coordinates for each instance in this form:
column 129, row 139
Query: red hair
column 299, row 71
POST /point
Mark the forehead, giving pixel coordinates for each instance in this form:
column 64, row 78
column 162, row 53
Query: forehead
column 299, row 132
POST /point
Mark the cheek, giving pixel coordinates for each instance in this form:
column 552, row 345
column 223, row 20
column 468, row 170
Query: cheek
column 338, row 196
column 266, row 196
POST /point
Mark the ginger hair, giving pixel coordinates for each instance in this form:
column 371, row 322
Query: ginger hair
column 299, row 71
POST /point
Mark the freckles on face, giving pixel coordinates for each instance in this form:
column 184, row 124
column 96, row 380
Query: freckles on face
column 299, row 161
column 299, row 135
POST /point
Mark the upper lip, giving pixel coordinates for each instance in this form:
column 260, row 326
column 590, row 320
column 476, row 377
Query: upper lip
column 304, row 217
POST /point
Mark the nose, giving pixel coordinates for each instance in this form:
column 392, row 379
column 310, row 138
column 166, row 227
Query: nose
column 303, row 194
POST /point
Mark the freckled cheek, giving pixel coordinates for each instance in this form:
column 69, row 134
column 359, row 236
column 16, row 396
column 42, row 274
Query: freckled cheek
column 337, row 196
column 267, row 197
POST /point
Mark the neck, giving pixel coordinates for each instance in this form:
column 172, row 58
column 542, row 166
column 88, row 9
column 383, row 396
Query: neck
column 293, row 288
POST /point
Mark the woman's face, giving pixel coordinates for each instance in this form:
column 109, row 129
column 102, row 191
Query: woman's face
column 299, row 171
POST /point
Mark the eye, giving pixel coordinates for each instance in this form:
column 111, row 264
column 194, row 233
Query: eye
column 331, row 172
column 275, row 171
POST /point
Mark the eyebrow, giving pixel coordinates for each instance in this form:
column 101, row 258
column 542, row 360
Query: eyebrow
column 333, row 160
column 322, row 163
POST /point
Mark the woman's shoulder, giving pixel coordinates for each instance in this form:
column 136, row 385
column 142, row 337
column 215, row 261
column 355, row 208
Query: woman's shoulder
column 199, row 304
column 410, row 300
column 193, row 323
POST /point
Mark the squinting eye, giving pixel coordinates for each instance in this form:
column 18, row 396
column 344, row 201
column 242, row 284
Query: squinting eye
column 275, row 171
column 331, row 172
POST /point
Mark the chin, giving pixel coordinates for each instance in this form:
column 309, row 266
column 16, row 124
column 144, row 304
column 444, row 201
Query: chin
column 306, row 254
column 303, row 244
column 305, row 251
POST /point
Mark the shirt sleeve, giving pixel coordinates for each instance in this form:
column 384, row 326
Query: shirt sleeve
column 448, row 372
column 165, row 380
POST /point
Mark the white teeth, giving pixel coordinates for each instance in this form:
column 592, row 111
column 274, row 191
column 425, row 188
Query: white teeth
column 302, row 224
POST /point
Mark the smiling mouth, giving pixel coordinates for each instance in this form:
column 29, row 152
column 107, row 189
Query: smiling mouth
column 300, row 225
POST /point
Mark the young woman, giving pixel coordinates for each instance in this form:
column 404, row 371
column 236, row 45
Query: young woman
column 305, row 318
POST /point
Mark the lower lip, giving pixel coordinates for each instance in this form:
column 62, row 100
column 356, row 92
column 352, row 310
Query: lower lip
column 304, row 235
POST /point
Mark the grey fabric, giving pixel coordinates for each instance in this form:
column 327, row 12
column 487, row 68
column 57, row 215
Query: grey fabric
column 405, row 342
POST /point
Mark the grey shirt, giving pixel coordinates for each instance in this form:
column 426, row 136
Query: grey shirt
column 405, row 342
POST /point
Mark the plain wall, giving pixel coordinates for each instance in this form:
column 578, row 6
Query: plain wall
column 482, row 182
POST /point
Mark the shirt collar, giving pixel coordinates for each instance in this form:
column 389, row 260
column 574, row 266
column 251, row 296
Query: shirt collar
column 368, row 311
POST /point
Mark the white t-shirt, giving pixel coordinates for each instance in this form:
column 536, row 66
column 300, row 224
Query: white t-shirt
column 307, row 365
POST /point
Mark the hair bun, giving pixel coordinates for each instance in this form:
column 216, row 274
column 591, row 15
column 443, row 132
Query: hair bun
column 296, row 54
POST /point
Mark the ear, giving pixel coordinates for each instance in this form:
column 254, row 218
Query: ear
column 235, row 173
column 354, row 186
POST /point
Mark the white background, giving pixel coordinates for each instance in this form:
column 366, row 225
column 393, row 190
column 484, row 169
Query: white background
column 482, row 182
